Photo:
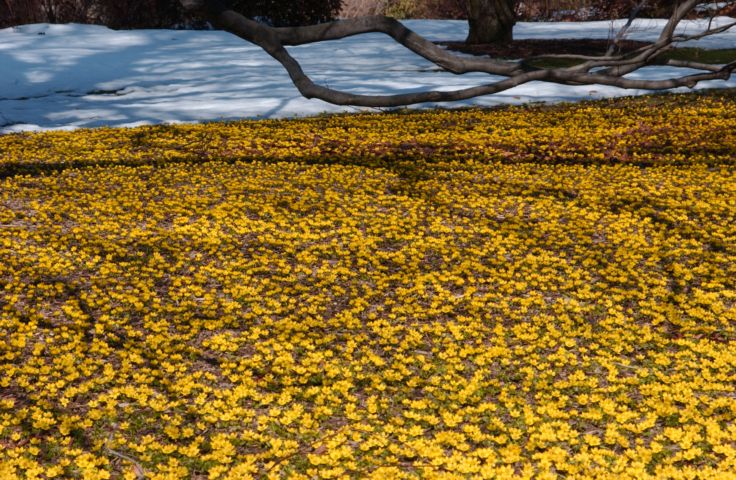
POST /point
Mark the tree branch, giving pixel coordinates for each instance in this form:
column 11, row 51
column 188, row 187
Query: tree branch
column 605, row 70
column 705, row 33
column 622, row 33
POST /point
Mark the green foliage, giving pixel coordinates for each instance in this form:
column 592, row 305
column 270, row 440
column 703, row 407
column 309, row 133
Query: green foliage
column 454, row 9
column 725, row 55
column 402, row 9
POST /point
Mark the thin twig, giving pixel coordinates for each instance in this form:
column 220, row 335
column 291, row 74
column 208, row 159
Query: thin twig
column 140, row 473
column 622, row 33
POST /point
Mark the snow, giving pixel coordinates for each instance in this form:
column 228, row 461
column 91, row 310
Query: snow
column 712, row 7
column 72, row 76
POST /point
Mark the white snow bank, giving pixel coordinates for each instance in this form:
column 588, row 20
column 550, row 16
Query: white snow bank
column 70, row 76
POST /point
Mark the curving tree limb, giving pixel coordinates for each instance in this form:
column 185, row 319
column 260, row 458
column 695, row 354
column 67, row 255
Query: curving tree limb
column 608, row 69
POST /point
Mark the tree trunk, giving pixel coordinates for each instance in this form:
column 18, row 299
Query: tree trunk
column 50, row 12
column 491, row 21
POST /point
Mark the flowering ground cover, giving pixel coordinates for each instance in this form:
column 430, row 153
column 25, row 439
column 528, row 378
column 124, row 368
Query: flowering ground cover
column 528, row 292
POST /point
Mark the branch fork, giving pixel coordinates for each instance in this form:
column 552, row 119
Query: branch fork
column 608, row 69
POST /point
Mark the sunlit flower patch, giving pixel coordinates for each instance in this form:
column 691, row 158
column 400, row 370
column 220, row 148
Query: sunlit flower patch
column 544, row 292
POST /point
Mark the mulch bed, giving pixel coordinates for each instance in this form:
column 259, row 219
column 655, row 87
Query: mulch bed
column 530, row 48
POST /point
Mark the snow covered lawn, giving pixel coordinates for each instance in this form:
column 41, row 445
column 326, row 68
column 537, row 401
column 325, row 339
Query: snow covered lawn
column 71, row 76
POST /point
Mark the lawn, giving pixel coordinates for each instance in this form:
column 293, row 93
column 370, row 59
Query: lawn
column 526, row 292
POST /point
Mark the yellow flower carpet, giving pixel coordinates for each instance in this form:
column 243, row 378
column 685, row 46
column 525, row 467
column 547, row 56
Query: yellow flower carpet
column 521, row 293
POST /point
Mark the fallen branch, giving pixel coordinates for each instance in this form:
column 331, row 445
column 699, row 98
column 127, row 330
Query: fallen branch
column 608, row 69
column 140, row 473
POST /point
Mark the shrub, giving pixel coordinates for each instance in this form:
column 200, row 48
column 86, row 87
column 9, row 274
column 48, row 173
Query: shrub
column 141, row 13
column 297, row 12
column 526, row 9
column 113, row 13
column 453, row 9
column 17, row 12
column 156, row 13
column 361, row 8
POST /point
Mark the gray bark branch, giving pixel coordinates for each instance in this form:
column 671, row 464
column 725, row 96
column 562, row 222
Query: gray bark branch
column 605, row 70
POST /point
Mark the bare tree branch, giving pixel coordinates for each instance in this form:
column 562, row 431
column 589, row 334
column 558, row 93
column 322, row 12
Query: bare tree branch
column 692, row 65
column 608, row 69
column 622, row 33
column 397, row 31
column 680, row 12
column 705, row 33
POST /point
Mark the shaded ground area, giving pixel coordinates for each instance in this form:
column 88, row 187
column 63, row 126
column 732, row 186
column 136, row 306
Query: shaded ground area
column 529, row 48
column 588, row 47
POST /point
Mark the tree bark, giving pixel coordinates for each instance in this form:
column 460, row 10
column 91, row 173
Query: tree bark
column 604, row 70
column 491, row 21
